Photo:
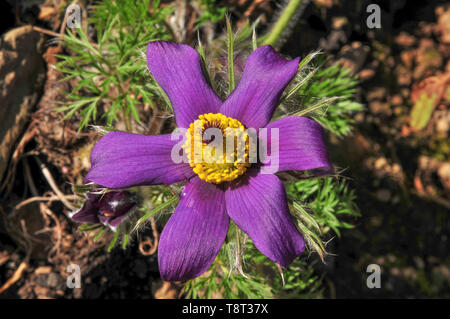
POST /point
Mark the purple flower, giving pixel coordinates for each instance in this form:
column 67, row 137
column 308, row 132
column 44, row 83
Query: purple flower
column 256, row 202
column 109, row 208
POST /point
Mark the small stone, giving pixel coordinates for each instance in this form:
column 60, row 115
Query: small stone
column 404, row 75
column 405, row 92
column 442, row 121
column 380, row 163
column 377, row 93
column 405, row 40
column 407, row 57
column 426, row 163
column 398, row 110
column 356, row 44
column 359, row 117
column 443, row 24
column 377, row 107
column 396, row 169
column 444, row 174
column 366, row 74
column 397, row 100
column 339, row 22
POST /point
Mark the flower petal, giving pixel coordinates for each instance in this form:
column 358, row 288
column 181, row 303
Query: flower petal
column 192, row 237
column 257, row 204
column 301, row 145
column 117, row 203
column 85, row 216
column 88, row 212
column 115, row 221
column 121, row 160
column 178, row 70
column 266, row 75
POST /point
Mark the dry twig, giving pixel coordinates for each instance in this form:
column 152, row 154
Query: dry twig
column 148, row 242
column 51, row 181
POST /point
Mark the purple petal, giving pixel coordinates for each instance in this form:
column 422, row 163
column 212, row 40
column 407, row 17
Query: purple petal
column 192, row 237
column 257, row 204
column 266, row 75
column 105, row 220
column 112, row 221
column 116, row 206
column 115, row 221
column 117, row 203
column 87, row 213
column 300, row 143
column 121, row 160
column 178, row 70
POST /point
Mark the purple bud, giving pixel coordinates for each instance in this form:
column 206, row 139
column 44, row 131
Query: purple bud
column 109, row 208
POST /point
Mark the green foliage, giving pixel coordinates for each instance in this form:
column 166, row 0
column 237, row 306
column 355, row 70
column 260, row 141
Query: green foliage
column 226, row 278
column 328, row 199
column 298, row 281
column 218, row 282
column 259, row 278
column 325, row 94
column 308, row 226
column 211, row 12
column 98, row 231
column 152, row 211
column 241, row 271
column 108, row 67
column 333, row 81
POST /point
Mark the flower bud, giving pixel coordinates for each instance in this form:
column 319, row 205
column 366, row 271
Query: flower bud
column 109, row 208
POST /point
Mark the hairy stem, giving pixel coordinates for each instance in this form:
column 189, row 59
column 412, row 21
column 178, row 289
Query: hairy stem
column 230, row 46
column 127, row 120
column 282, row 22
column 126, row 116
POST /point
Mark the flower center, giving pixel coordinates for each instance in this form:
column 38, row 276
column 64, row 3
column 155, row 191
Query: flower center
column 217, row 148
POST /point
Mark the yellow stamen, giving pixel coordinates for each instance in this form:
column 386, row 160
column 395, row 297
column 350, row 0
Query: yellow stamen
column 206, row 160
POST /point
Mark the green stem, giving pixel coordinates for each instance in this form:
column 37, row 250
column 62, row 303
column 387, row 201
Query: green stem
column 231, row 78
column 282, row 22
column 126, row 117
column 155, row 210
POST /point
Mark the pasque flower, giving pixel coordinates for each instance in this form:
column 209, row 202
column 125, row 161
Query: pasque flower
column 110, row 208
column 214, row 194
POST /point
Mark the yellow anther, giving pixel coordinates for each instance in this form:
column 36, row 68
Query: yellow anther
column 205, row 160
